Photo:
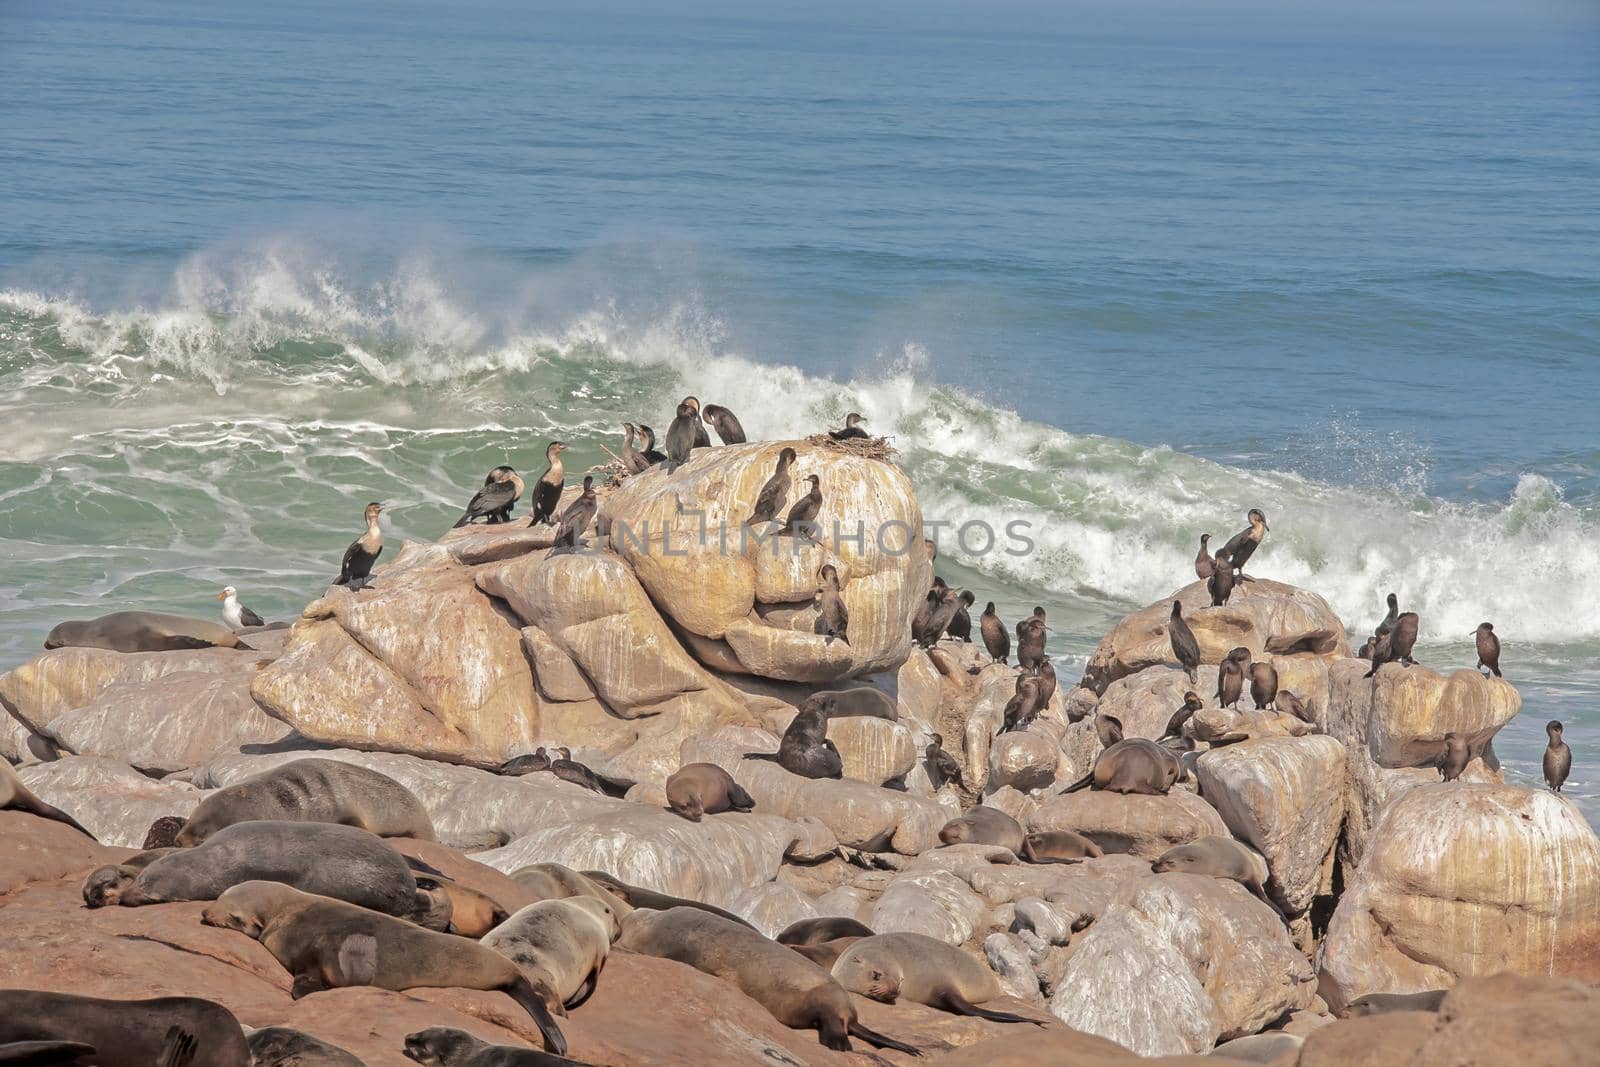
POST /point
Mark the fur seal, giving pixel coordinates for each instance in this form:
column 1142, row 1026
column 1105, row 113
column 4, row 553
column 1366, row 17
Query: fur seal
column 860, row 701
column 1396, row 645
column 1058, row 846
column 1455, row 757
column 327, row 944
column 163, row 833
column 852, row 428
column 1263, row 684
column 1216, row 857
column 1267, row 1048
column 313, row 790
column 14, row 796
column 355, row 569
column 554, row 881
column 1557, row 757
column 1204, row 565
column 1023, row 705
column 835, row 617
column 1184, row 645
column 797, row 992
column 1230, row 677
column 1242, row 545
column 805, row 748
column 162, row 1032
column 237, row 616
column 701, row 438
column 143, row 631
column 1191, row 704
column 283, row 1046
column 639, row 897
column 984, row 826
column 576, row 518
column 995, row 639
column 342, row 862
column 819, row 930
column 704, row 789
column 444, row 1046
column 681, row 436
column 725, row 423
column 1220, row 584
column 923, row 970
column 942, row 767
column 775, row 493
column 547, row 490
column 1488, row 648
column 1384, row 1003
column 493, row 503
column 50, row 1054
column 561, row 945
column 1132, row 765
column 803, row 516
column 1388, row 620
column 1030, row 642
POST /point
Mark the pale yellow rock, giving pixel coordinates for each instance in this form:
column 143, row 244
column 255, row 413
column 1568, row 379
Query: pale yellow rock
column 1145, row 826
column 872, row 750
column 558, row 677
column 66, row 678
column 1462, row 880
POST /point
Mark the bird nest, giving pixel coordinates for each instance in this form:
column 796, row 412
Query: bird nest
column 865, row 447
column 613, row 473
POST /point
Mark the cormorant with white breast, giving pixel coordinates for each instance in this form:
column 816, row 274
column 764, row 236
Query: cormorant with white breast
column 547, row 493
column 1242, row 545
column 363, row 552
column 493, row 503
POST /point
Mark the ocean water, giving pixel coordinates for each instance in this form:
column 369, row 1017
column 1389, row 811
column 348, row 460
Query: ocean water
column 1119, row 278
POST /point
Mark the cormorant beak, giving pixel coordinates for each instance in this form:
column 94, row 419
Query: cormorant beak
column 1264, row 525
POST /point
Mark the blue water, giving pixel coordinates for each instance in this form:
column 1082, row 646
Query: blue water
column 1124, row 275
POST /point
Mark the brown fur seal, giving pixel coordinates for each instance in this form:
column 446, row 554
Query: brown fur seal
column 825, row 954
column 1455, row 757
column 639, row 897
column 328, row 944
column 143, row 631
column 1184, row 646
column 821, row 929
column 1488, row 648
column 1220, row 584
column 864, row 700
column 453, row 907
column 704, row 789
column 1268, row 1048
column 1058, row 846
column 560, row 945
column 1191, row 704
column 48, row 1054
column 797, row 992
column 833, row 616
column 805, row 748
column 444, row 1046
column 995, row 639
column 923, row 970
column 983, row 826
column 1396, row 645
column 14, row 796
column 1263, row 684
column 1557, row 757
column 1023, row 705
column 283, row 1046
column 175, row 1031
column 1216, row 857
column 313, row 790
column 1384, row 1003
column 343, row 862
column 1390, row 619
column 1132, row 765
column 553, row 881
column 1230, row 677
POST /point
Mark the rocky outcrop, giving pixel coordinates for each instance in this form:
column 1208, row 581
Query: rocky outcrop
column 1462, row 880
column 1145, row 826
column 65, row 679
column 112, row 800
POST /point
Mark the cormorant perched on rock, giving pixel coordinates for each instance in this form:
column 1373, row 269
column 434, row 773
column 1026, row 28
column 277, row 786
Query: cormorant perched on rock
column 1191, row 704
column 960, row 626
column 1396, row 645
column 493, row 503
column 1023, row 705
column 1184, row 645
column 547, row 493
column 919, row 621
column 1557, row 757
column 943, row 765
column 1389, row 620
column 940, row 617
column 726, row 423
column 995, row 638
column 680, row 436
column 1242, row 545
column 1230, row 677
column 1488, row 648
column 775, row 493
column 363, row 551
column 1455, row 757
column 633, row 461
column 701, row 438
column 835, row 616
column 805, row 510
column 575, row 520
column 1220, row 584
column 235, row 614
column 1203, row 564
column 852, row 428
column 652, row 455
column 1030, row 641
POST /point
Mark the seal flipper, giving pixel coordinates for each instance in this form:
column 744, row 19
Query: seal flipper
column 1081, row 783
column 773, row 756
column 585, row 991
column 179, row 1048
column 358, row 959
column 44, row 1053
column 306, row 984
column 523, row 992
column 877, row 1040
column 952, row 1001
column 739, row 800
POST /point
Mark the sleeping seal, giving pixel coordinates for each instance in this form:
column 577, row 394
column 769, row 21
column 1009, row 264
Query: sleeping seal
column 444, row 1046
column 143, row 631
column 313, row 790
column 560, row 944
column 984, row 826
column 923, row 970
column 127, row 1033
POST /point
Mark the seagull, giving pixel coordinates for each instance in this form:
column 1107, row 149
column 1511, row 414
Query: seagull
column 235, row 614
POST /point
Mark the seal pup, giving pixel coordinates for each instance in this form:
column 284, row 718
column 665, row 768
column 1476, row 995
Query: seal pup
column 14, row 796
column 701, row 438
column 1184, row 645
column 493, row 503
column 960, row 625
column 805, row 748
column 1263, row 684
column 1230, row 677
column 283, row 1046
column 1388, row 622
column 1204, row 565
column 1557, row 757
column 923, row 970
column 561, row 945
column 700, row 789
column 547, row 490
column 444, row 1046
column 633, row 460
column 940, row 617
column 162, row 1032
column 802, row 518
column 1455, row 757
column 942, row 767
column 1488, row 648
column 1396, row 645
column 143, row 631
column 1132, row 765
column 725, row 423
column 797, row 992
column 652, row 455
column 1030, row 643
column 995, row 639
column 1191, row 704
column 775, row 493
column 982, row 825
column 834, row 616
column 1384, row 1003
column 1242, row 545
column 235, row 615
column 1023, row 705
column 342, row 862
column 639, row 897
column 680, row 436
column 313, row 790
column 355, row 570
column 328, row 944
column 575, row 520
column 821, row 930
column 1217, row 857
column 1220, row 584
column 1058, row 846
column 852, row 428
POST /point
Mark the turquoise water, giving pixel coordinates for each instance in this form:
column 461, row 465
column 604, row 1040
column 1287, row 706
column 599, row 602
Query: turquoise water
column 1119, row 278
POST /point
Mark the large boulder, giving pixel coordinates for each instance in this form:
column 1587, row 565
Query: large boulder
column 33, row 849
column 65, row 679
column 1145, row 826
column 1285, row 796
column 112, row 800
column 683, row 534
column 934, row 903
column 1466, row 879
column 1263, row 616
column 1180, row 962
